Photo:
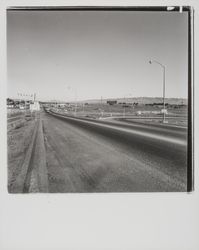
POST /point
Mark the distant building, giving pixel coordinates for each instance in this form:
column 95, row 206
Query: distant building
column 10, row 105
column 111, row 102
column 21, row 107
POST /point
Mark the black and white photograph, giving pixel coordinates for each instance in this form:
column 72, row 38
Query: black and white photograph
column 99, row 138
column 98, row 100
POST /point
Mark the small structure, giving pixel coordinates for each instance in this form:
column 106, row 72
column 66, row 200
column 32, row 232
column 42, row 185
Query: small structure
column 22, row 107
column 164, row 111
column 35, row 106
column 111, row 102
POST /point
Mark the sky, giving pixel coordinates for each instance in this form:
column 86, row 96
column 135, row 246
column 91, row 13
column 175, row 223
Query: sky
column 80, row 55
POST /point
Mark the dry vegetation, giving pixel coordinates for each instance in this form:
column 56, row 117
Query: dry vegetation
column 18, row 140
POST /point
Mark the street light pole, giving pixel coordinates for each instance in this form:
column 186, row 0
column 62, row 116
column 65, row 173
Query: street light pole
column 164, row 75
column 125, row 104
column 164, row 83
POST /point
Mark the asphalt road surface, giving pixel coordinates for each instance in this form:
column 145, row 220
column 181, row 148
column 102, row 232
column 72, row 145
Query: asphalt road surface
column 113, row 156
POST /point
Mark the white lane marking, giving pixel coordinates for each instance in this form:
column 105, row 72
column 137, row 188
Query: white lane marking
column 136, row 132
column 137, row 120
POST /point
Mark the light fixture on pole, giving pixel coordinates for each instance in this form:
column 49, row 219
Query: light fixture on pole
column 164, row 82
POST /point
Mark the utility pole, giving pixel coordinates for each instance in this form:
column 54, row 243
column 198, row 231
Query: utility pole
column 69, row 88
column 124, row 110
column 83, row 107
column 75, row 102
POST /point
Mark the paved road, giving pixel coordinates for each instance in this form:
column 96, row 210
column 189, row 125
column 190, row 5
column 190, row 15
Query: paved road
column 113, row 156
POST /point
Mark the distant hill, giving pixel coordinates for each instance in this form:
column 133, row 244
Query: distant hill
column 141, row 100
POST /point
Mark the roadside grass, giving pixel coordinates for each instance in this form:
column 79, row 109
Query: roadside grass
column 18, row 140
column 170, row 121
column 13, row 113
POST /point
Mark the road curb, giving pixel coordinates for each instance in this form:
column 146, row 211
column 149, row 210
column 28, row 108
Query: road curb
column 42, row 167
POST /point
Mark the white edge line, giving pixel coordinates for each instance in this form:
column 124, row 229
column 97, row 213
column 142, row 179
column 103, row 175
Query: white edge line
column 144, row 134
